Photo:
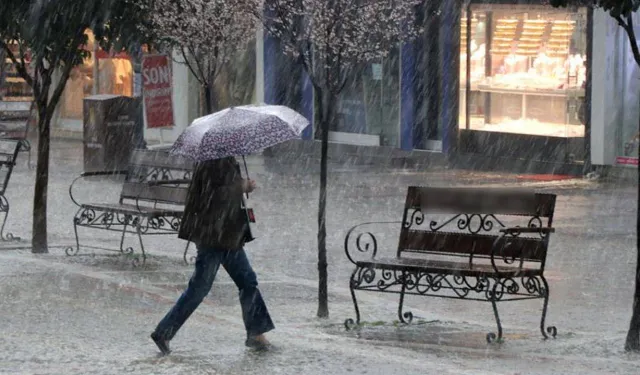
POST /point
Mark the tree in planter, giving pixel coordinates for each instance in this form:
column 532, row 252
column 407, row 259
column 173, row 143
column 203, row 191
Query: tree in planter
column 207, row 33
column 332, row 39
column 48, row 36
column 623, row 12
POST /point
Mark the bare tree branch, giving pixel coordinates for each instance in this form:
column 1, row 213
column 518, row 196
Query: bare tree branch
column 186, row 62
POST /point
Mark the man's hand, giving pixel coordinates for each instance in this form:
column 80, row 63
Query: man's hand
column 248, row 186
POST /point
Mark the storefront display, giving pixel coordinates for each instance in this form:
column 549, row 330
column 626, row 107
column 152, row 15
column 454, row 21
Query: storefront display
column 112, row 75
column 116, row 75
column 527, row 70
column 79, row 86
column 477, row 49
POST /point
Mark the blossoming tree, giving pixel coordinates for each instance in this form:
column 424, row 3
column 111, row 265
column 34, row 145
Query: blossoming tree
column 331, row 39
column 208, row 34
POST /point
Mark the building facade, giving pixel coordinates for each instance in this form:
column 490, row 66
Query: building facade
column 499, row 79
column 505, row 79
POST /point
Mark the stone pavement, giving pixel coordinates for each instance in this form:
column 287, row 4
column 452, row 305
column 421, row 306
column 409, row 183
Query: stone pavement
column 92, row 314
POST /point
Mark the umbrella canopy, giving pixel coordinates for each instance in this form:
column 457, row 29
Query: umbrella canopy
column 239, row 131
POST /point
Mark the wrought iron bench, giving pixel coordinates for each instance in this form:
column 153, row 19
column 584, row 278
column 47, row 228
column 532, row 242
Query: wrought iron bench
column 146, row 206
column 9, row 149
column 474, row 244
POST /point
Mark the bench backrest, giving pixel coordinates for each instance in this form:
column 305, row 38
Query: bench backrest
column 9, row 149
column 146, row 166
column 464, row 222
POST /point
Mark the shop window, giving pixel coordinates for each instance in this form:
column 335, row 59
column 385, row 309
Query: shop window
column 113, row 75
column 523, row 70
column 369, row 102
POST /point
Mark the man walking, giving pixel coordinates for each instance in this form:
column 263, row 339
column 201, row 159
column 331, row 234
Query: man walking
column 216, row 222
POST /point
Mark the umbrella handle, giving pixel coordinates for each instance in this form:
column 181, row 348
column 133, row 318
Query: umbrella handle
column 246, row 170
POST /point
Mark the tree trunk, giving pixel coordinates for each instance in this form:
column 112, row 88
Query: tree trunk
column 327, row 109
column 39, row 236
column 46, row 104
column 633, row 336
column 209, row 101
column 137, row 95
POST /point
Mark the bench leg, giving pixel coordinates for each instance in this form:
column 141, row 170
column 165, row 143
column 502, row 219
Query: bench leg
column 186, row 250
column 4, row 208
column 26, row 144
column 492, row 337
column 124, row 232
column 70, row 251
column 349, row 323
column 407, row 316
column 551, row 330
column 136, row 260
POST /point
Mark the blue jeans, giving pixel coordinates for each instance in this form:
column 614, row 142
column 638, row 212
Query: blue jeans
column 254, row 311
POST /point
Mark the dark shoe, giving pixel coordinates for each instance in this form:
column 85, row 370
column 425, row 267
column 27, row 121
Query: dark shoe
column 161, row 343
column 256, row 344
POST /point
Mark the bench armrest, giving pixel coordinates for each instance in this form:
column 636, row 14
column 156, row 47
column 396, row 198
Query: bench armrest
column 365, row 241
column 514, row 231
column 92, row 174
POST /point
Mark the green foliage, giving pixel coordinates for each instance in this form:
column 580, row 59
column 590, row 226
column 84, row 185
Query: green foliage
column 52, row 31
column 124, row 25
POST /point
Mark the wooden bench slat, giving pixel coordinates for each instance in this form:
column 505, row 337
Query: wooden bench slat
column 532, row 249
column 448, row 267
column 133, row 209
column 481, row 200
column 160, row 160
column 161, row 193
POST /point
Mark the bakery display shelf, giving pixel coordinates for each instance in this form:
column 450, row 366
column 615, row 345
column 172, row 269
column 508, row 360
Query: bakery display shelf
column 495, row 89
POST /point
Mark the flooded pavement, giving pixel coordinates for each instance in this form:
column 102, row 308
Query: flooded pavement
column 93, row 313
column 64, row 317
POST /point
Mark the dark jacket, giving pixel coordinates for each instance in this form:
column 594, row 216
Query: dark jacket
column 213, row 215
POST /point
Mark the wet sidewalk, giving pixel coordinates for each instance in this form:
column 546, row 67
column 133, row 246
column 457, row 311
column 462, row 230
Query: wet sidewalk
column 93, row 316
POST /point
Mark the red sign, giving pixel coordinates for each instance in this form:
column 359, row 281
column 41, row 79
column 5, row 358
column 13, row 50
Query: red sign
column 627, row 160
column 156, row 84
